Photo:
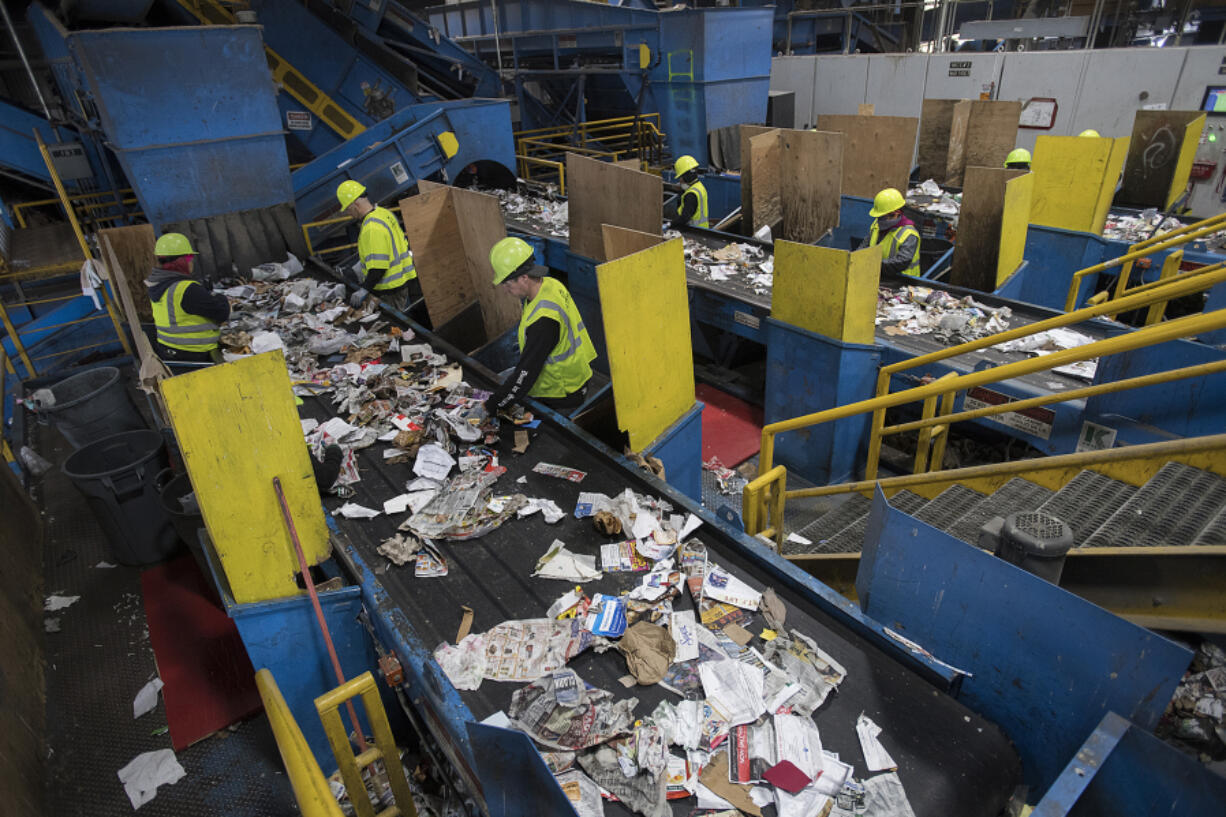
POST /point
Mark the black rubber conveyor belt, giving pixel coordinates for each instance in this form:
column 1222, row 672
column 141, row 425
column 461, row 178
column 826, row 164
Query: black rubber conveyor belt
column 951, row 761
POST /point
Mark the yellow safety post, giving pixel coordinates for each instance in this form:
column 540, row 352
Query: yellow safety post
column 237, row 428
column 310, row 787
column 17, row 344
column 1014, row 221
column 645, row 307
column 928, row 432
column 384, row 749
column 76, row 228
column 1075, row 180
column 1170, row 268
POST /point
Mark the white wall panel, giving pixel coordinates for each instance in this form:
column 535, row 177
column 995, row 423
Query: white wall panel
column 839, row 86
column 1054, row 74
column 1121, row 81
column 982, row 72
column 796, row 74
column 896, row 83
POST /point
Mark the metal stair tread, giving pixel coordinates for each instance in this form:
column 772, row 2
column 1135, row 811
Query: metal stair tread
column 950, row 505
column 829, row 524
column 1215, row 532
column 851, row 538
column 1087, row 501
column 1016, row 495
column 1172, row 508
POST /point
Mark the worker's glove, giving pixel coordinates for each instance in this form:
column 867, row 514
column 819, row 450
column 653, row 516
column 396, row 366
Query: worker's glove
column 357, row 298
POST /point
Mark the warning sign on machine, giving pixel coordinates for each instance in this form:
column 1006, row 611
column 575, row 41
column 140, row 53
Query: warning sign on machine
column 1036, row 420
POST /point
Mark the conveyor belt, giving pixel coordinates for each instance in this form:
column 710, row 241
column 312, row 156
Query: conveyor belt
column 912, row 345
column 952, row 762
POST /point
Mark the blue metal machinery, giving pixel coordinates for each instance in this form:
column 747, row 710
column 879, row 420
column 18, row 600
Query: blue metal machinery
column 701, row 69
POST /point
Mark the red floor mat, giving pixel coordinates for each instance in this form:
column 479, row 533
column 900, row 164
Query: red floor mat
column 731, row 428
column 209, row 682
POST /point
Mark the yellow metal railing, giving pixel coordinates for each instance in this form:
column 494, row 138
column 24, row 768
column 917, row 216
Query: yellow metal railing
column 310, row 225
column 305, row 777
column 1144, row 249
column 765, row 496
column 541, row 152
column 83, row 204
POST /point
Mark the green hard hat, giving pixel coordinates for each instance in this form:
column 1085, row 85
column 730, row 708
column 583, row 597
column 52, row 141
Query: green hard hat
column 172, row 245
column 1017, row 155
column 507, row 256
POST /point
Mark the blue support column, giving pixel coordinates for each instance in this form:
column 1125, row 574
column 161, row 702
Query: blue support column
column 805, row 373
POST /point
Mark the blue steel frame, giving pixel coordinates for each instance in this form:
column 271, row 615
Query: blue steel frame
column 1044, row 664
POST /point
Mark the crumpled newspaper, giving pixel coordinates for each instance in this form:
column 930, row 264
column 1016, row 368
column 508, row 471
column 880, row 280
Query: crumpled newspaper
column 589, row 717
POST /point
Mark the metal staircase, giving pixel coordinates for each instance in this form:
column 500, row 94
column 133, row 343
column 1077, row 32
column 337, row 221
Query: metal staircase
column 1180, row 505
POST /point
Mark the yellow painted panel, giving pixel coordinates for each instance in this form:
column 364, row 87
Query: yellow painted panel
column 1014, row 220
column 237, row 428
column 1075, row 180
column 1187, row 154
column 829, row 292
column 646, row 313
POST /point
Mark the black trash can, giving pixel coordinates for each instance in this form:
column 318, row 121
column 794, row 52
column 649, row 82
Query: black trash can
column 90, row 406
column 187, row 523
column 118, row 476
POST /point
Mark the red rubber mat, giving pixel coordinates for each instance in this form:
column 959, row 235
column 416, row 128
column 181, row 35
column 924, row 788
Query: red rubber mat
column 209, row 682
column 731, row 428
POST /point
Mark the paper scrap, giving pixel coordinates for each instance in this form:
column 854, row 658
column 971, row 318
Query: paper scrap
column 104, row 564
column 560, row 563
column 397, row 504
column 54, row 603
column 648, row 650
column 721, row 585
column 715, row 778
column 582, row 792
column 521, row 441
column 352, row 510
column 738, row 634
column 733, row 689
column 565, row 602
column 875, row 756
column 787, row 776
column 433, row 462
column 692, row 523
column 559, row 471
column 466, row 623
column 796, row 538
column 685, row 635
column 498, row 719
column 146, row 699
column 798, row 741
column 146, row 772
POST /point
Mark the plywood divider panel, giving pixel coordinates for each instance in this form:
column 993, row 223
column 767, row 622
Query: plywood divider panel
column 936, row 118
column 620, row 242
column 748, row 132
column 765, row 193
column 982, row 133
column 877, row 151
column 433, row 231
column 1160, row 156
column 481, row 227
column 603, row 193
column 134, row 258
column 977, row 255
column 830, row 292
column 810, row 188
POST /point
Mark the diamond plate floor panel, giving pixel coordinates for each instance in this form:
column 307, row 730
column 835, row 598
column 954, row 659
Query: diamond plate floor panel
column 1087, row 501
column 96, row 664
column 1015, row 495
column 950, row 505
column 1171, row 509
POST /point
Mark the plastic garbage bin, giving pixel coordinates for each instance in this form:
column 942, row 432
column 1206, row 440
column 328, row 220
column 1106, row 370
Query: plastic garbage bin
column 90, row 406
column 118, row 476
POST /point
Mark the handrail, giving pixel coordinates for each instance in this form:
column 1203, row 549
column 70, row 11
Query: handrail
column 1177, row 288
column 306, row 778
column 1161, row 333
column 1166, row 241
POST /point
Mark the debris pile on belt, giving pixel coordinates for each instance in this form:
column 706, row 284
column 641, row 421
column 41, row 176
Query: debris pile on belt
column 932, row 199
column 1146, row 224
column 748, row 265
column 543, row 213
column 1196, row 716
column 920, row 310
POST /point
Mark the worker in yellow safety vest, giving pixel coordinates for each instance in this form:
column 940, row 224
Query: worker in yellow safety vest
column 383, row 251
column 694, row 208
column 555, row 351
column 188, row 315
column 894, row 233
column 1018, row 159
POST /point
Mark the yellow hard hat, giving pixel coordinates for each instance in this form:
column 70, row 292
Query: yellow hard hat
column 172, row 245
column 684, row 165
column 1017, row 155
column 349, row 191
column 507, row 256
column 887, row 201
column 1089, row 132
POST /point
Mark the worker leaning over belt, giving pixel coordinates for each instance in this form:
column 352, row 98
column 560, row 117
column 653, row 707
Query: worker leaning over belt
column 1018, row 159
column 694, row 207
column 187, row 313
column 895, row 233
column 383, row 251
column 555, row 352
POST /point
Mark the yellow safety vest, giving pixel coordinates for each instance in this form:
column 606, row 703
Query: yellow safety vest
column 381, row 244
column 178, row 329
column 569, row 365
column 892, row 239
column 702, row 217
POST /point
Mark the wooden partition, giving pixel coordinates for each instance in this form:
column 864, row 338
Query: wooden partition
column 793, row 182
column 829, row 292
column 759, row 178
column 981, row 134
column 606, row 193
column 877, row 151
column 1160, row 156
column 936, row 118
column 451, row 231
column 992, row 227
